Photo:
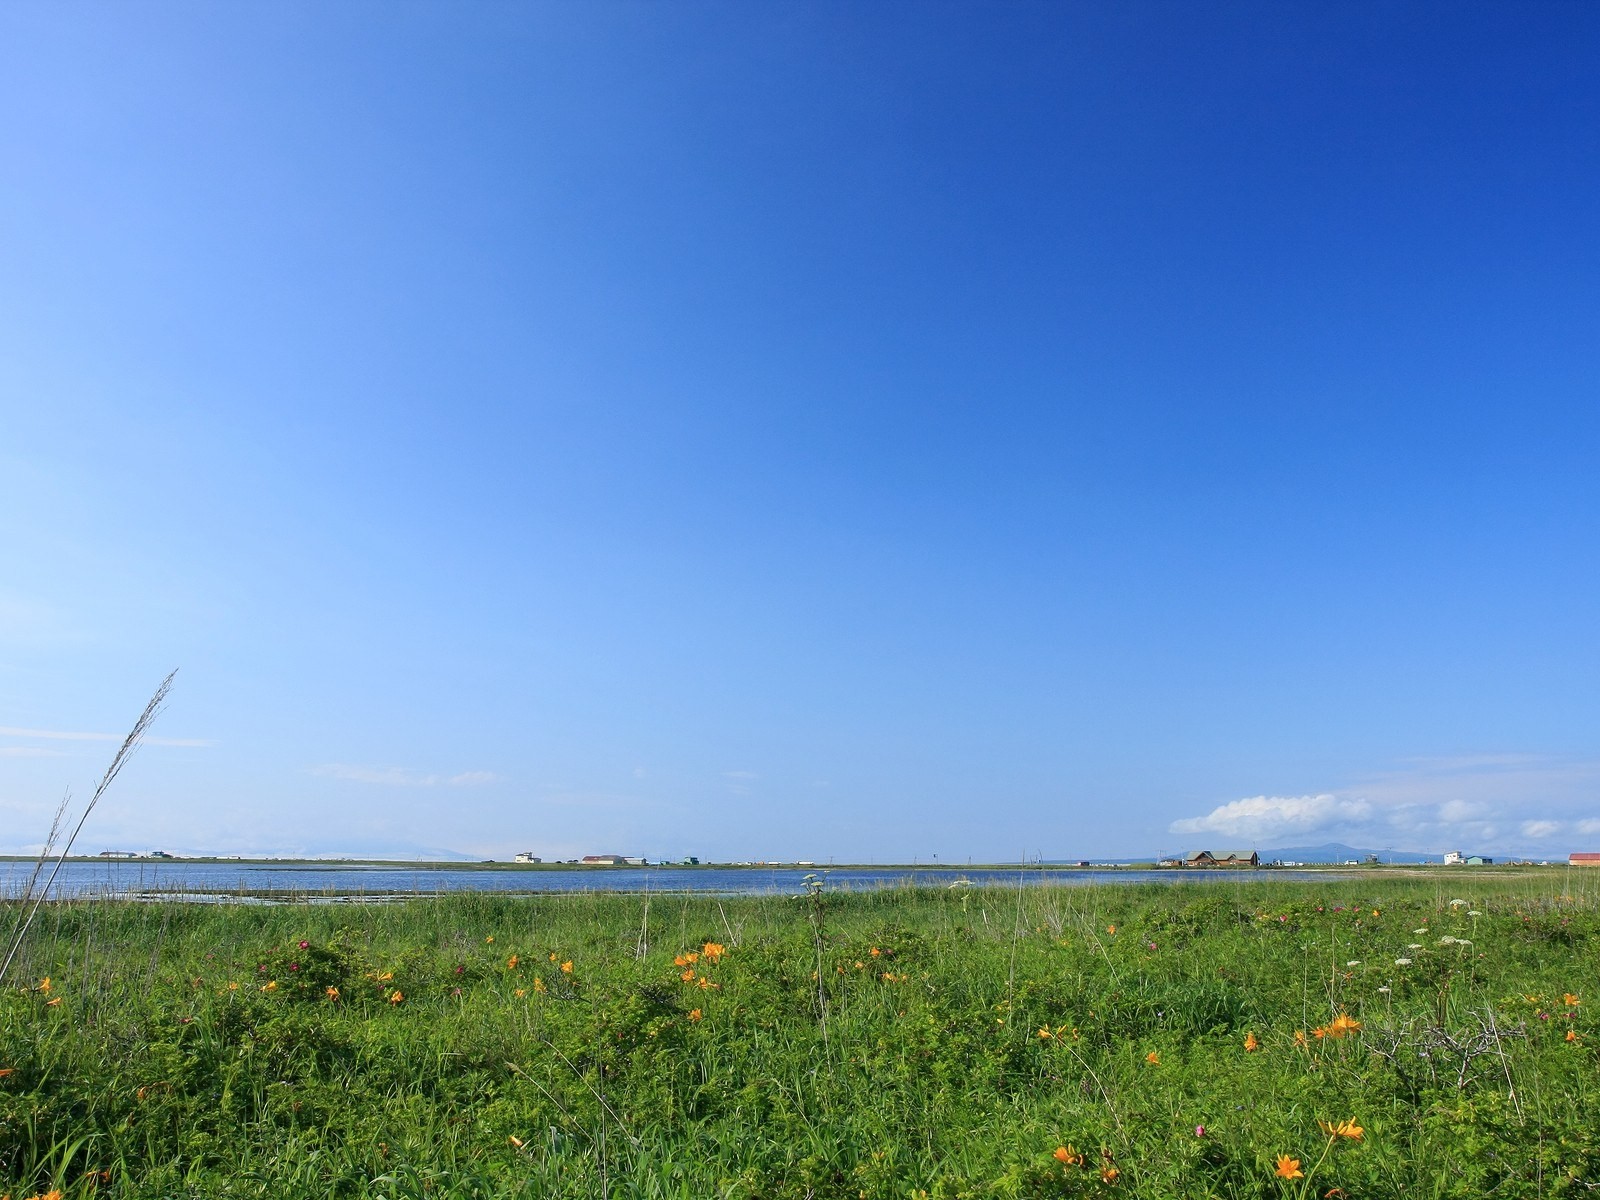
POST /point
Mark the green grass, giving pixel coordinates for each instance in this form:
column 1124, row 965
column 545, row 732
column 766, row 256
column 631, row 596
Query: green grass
column 195, row 1050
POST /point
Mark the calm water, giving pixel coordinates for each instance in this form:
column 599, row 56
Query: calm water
column 224, row 881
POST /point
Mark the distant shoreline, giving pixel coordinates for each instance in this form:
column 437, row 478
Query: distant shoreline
column 820, row 868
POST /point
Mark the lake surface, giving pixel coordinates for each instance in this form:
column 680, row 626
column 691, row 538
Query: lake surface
column 246, row 881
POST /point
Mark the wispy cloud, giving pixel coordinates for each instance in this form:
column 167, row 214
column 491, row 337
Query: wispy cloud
column 1471, row 763
column 402, row 776
column 739, row 782
column 1521, row 803
column 560, row 796
column 30, row 752
column 65, row 735
column 1490, row 781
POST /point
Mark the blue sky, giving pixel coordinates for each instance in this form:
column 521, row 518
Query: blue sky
column 802, row 430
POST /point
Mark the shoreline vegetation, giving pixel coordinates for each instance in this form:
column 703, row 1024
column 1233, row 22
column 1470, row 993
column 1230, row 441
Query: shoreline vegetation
column 1382, row 1032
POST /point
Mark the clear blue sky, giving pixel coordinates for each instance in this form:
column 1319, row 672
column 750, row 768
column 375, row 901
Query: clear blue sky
column 802, row 430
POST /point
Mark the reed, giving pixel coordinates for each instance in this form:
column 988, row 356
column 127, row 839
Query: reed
column 34, row 893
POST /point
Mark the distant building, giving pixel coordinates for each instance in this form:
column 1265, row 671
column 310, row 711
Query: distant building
column 602, row 860
column 1479, row 860
column 527, row 856
column 1454, row 858
column 1583, row 858
column 1222, row 858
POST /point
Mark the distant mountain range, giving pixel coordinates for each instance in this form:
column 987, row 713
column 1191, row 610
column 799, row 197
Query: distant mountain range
column 1328, row 852
column 1338, row 852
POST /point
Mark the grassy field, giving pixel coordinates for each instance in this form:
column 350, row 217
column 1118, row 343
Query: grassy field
column 1359, row 1038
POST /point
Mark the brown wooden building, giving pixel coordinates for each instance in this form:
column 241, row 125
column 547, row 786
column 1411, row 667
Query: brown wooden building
column 1222, row 858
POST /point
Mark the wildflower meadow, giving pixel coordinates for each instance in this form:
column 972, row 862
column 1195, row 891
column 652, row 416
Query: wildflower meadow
column 1403, row 1035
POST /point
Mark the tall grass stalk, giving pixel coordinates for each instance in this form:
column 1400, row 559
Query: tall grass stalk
column 34, row 896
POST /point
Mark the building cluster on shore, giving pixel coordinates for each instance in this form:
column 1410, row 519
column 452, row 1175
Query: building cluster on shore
column 1202, row 859
column 607, row 860
column 1213, row 858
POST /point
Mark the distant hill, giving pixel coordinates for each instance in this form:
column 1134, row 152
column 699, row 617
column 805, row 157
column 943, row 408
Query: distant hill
column 1338, row 852
column 1328, row 852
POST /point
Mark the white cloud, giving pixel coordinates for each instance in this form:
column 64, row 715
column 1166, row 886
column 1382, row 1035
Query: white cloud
column 401, row 776
column 1266, row 818
column 64, row 735
column 1453, row 811
column 1490, row 803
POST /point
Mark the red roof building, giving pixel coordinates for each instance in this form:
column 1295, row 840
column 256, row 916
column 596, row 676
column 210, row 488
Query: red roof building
column 1583, row 859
